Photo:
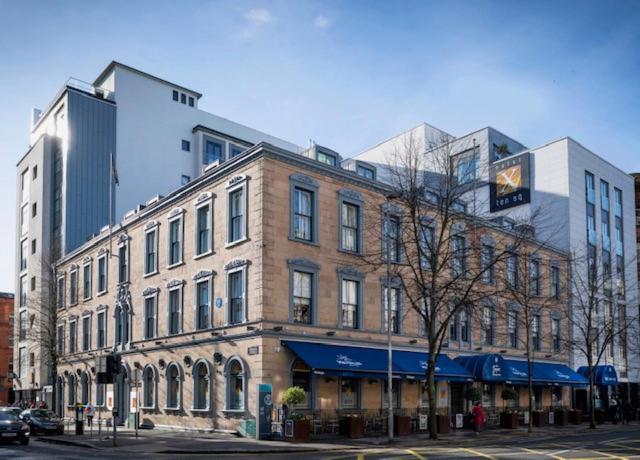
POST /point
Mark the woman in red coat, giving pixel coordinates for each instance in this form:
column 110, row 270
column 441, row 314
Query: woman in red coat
column 478, row 417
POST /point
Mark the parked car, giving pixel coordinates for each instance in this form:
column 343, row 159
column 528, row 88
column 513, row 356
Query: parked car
column 13, row 429
column 42, row 421
column 13, row 410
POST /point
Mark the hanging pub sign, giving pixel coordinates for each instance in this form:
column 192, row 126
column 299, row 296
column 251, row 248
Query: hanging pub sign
column 510, row 182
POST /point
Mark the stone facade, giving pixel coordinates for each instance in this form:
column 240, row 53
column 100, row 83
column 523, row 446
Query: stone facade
column 229, row 354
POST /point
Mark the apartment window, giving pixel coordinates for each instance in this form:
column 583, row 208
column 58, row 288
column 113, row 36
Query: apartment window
column 123, row 263
column 512, row 328
column 464, row 325
column 175, row 241
column 22, row 325
column 183, row 98
column 34, row 172
column 555, row 334
column 366, row 172
column 192, row 101
column 102, row 274
column 101, row 337
column 73, row 336
column 203, row 229
column 592, row 269
column 24, row 186
column 512, row 270
column 73, row 287
column 60, row 339
column 213, row 151
column 149, row 387
column 175, row 311
column 536, row 326
column 186, row 146
column 426, row 246
column 151, row 251
column 184, row 179
column 458, row 255
column 590, row 187
column 604, row 195
column 175, row 95
column 555, row 282
column 86, row 333
column 203, row 304
column 34, row 209
column 24, row 220
column 23, row 291
column 237, row 214
column 534, row 276
column 122, row 324
column 618, row 201
column 23, row 255
column 22, row 362
column 33, row 283
column 150, row 312
column 235, row 385
column 350, row 221
column 392, row 294
column 349, row 393
column 326, row 158
column 350, row 302
column 71, row 392
column 302, row 299
column 488, row 325
column 620, row 276
column 33, row 246
column 201, row 380
column 466, row 169
column 87, row 276
column 487, row 264
column 60, row 293
column 391, row 241
column 174, row 386
column 236, row 294
column 303, row 214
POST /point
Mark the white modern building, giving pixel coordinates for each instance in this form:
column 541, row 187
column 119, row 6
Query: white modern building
column 150, row 131
column 580, row 203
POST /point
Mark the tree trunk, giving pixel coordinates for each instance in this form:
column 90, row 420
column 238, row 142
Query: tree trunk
column 592, row 394
column 431, row 385
column 530, row 424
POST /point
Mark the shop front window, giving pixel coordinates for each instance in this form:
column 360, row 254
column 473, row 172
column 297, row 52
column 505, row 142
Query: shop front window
column 349, row 393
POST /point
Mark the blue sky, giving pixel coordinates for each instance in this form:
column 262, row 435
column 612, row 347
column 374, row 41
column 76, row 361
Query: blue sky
column 346, row 74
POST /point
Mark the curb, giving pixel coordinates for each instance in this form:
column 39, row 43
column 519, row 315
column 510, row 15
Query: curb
column 67, row 442
column 284, row 450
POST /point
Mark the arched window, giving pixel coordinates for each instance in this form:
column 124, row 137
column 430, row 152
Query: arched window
column 71, row 390
column 235, row 385
column 60, row 396
column 174, row 386
column 201, row 386
column 85, row 385
column 149, row 387
column 301, row 377
column 126, row 313
column 118, row 323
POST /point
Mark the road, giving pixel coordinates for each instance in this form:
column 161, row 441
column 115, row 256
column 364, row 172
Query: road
column 620, row 444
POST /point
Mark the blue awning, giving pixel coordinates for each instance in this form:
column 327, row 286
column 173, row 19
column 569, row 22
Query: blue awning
column 349, row 361
column 495, row 368
column 602, row 375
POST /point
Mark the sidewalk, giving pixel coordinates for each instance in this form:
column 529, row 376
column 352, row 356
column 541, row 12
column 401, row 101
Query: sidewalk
column 179, row 442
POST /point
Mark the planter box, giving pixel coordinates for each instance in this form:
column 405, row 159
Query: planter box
column 539, row 418
column 352, row 427
column 401, row 425
column 509, row 420
column 444, row 423
column 301, row 430
column 575, row 416
column 561, row 417
column 601, row 416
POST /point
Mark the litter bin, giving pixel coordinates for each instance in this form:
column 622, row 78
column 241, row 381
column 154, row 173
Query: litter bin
column 79, row 427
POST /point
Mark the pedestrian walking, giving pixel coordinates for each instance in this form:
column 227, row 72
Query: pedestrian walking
column 478, row 417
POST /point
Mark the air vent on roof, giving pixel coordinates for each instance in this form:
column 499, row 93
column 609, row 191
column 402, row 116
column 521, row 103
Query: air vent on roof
column 210, row 166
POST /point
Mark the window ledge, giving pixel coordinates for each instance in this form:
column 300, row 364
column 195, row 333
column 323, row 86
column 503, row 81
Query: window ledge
column 348, row 251
column 86, row 299
column 201, row 411
column 102, row 293
column 147, row 275
column 204, row 254
column 298, row 240
column 150, row 408
column 175, row 409
column 236, row 242
column 177, row 264
column 233, row 411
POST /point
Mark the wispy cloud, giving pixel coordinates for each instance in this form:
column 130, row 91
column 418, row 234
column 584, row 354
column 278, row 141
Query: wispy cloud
column 322, row 22
column 259, row 16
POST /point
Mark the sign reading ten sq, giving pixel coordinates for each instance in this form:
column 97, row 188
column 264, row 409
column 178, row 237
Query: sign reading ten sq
column 510, row 182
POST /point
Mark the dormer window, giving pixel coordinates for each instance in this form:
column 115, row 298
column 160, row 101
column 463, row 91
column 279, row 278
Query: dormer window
column 183, row 98
column 191, row 101
column 175, row 95
column 366, row 172
column 213, row 151
column 326, row 158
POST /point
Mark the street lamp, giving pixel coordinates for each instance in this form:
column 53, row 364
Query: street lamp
column 387, row 238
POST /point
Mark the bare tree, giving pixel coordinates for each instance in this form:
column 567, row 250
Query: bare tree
column 522, row 280
column 598, row 318
column 435, row 243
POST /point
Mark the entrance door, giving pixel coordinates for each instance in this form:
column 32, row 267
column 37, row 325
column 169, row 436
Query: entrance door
column 121, row 395
column 582, row 400
column 457, row 398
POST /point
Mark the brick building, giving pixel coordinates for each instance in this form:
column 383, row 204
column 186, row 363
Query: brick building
column 6, row 347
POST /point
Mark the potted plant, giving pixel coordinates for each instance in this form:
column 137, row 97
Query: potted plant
column 301, row 427
column 561, row 416
column 539, row 417
column 402, row 425
column 509, row 418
